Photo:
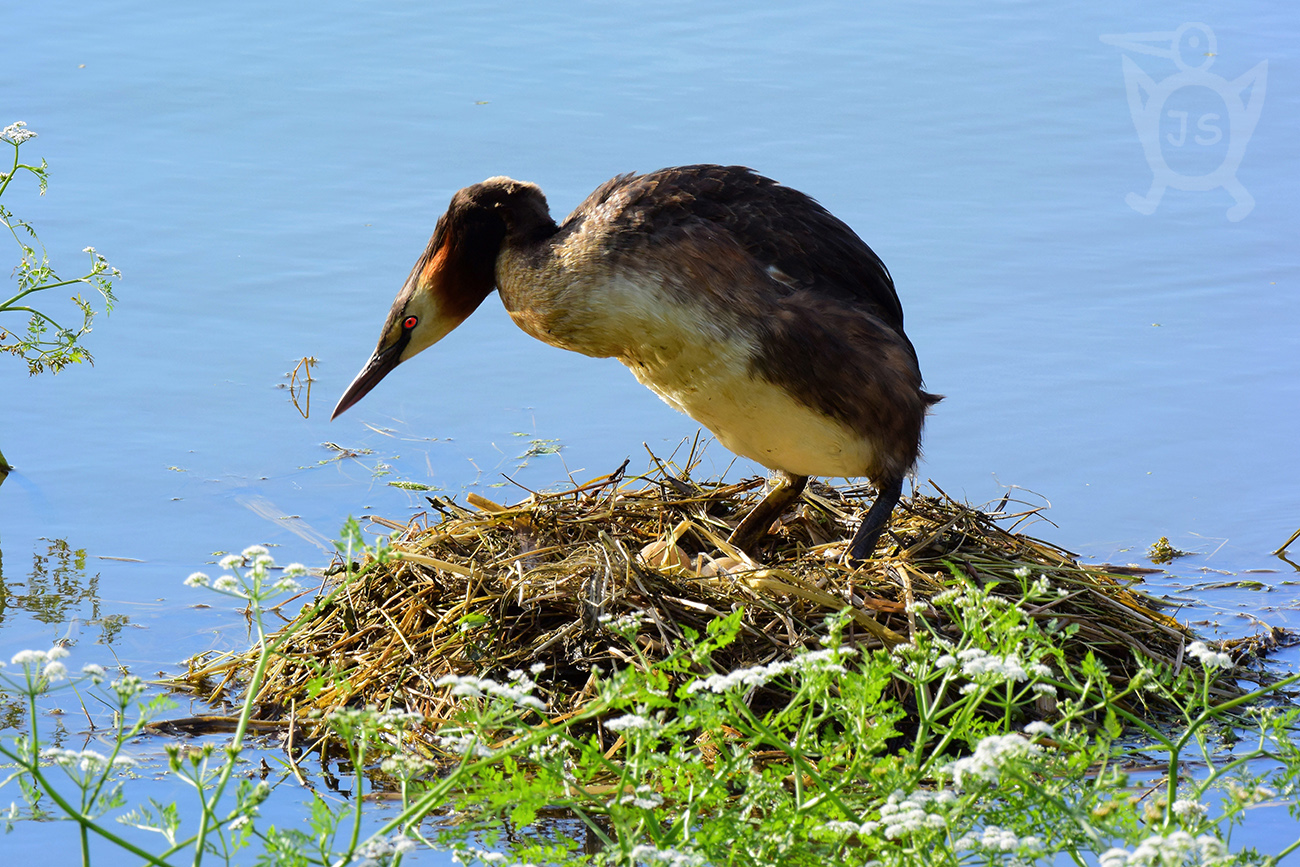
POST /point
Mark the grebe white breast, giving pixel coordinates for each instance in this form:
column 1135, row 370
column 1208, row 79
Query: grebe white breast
column 743, row 303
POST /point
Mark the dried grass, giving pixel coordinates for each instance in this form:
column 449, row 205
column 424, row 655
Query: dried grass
column 484, row 588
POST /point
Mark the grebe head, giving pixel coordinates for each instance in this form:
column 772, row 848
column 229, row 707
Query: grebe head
column 455, row 274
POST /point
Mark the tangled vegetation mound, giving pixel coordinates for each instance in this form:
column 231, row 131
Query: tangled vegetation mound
column 485, row 588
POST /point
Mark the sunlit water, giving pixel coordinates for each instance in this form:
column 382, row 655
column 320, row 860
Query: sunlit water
column 265, row 178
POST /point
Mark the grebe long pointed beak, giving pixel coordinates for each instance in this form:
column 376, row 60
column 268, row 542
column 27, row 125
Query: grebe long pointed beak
column 379, row 365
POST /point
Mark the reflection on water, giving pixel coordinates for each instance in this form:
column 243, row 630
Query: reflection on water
column 299, row 385
column 58, row 591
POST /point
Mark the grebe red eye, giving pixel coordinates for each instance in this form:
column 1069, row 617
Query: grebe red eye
column 409, row 322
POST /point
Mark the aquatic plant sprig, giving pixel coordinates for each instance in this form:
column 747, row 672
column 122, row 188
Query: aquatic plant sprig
column 45, row 344
column 96, row 776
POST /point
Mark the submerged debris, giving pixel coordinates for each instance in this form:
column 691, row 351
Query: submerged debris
column 1162, row 552
column 486, row 588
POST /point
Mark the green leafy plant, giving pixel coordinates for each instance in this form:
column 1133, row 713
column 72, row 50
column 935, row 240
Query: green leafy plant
column 1004, row 754
column 45, row 343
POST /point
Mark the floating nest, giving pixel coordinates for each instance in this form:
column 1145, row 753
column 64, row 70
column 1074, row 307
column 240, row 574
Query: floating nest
column 484, row 588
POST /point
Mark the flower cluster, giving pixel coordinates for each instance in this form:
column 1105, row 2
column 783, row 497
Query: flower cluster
column 1187, row 809
column 1040, row 729
column 670, row 857
column 626, row 624
column 518, row 691
column 85, row 761
column 814, row 661
column 995, row 839
column 258, row 564
column 381, row 850
column 1178, row 848
column 984, row 667
column 990, row 755
column 128, row 687
column 644, row 797
column 634, row 722
column 406, row 767
column 463, row 744
column 841, row 828
column 44, row 667
column 906, row 814
column 17, row 133
column 1210, row 659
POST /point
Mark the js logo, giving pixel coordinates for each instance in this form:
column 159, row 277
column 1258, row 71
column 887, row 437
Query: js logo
column 1195, row 120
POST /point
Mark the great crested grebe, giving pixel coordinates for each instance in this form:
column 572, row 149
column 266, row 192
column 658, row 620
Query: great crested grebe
column 740, row 302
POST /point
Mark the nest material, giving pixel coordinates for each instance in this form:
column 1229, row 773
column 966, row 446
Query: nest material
column 487, row 588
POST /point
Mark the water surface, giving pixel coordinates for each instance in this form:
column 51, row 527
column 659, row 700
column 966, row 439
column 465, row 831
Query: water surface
column 265, row 176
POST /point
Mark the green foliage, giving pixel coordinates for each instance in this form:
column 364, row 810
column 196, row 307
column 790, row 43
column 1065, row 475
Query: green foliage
column 1004, row 756
column 44, row 343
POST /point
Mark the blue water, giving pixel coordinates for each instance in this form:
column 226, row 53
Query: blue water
column 265, row 175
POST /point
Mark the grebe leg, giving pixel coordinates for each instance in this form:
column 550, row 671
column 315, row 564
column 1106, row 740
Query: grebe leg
column 864, row 541
column 755, row 525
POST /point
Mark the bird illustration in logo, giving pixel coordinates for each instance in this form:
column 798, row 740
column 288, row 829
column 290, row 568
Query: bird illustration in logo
column 1147, row 99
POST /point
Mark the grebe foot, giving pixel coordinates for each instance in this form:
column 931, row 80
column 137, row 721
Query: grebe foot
column 754, row 526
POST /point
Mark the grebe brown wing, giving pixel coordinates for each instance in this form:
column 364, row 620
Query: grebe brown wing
column 803, row 246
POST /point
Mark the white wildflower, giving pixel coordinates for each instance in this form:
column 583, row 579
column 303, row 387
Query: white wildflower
column 1040, row 728
column 28, row 657
column 631, row 722
column 128, row 687
column 948, row 596
column 470, row 854
column 94, row 672
column 987, row 667
column 55, row 671
column 58, row 651
column 295, row 570
column 478, row 687
column 405, row 766
column 1176, row 848
column 17, row 133
column 394, row 718
column 463, row 745
column 378, row 850
column 286, row 585
column 990, row 755
column 644, row 797
column 226, row 584
column 230, row 561
column 197, row 579
column 814, row 661
column 671, row 857
column 254, row 551
column 840, row 828
column 626, row 623
column 1186, row 808
column 1210, row 659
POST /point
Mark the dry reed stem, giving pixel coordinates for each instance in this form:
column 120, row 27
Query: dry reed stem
column 493, row 588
